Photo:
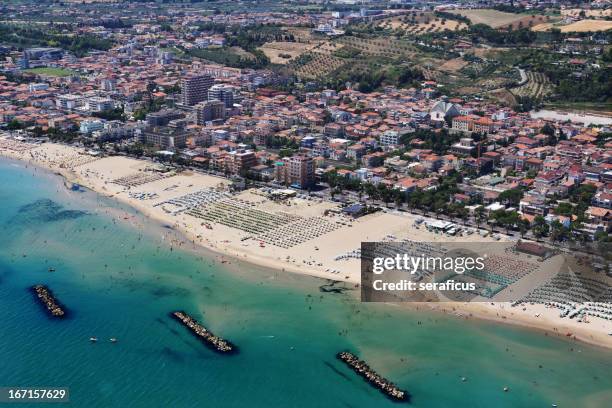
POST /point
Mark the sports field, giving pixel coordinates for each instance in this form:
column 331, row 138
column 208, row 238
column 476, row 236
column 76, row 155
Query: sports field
column 50, row 71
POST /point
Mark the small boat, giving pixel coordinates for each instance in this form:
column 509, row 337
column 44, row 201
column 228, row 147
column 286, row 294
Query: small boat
column 506, row 389
column 113, row 340
column 51, row 269
column 93, row 339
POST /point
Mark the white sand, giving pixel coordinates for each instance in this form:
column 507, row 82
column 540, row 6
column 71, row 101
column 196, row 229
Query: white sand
column 304, row 258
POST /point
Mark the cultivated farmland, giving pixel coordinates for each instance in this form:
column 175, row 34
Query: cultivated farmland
column 536, row 87
column 453, row 65
column 316, row 64
column 281, row 52
column 587, row 25
column 526, row 22
column 577, row 27
column 416, row 23
column 588, row 13
column 379, row 47
column 492, row 18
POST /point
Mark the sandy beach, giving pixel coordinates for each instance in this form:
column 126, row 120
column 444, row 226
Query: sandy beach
column 251, row 227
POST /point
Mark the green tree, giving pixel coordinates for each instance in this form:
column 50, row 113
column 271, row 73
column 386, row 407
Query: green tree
column 511, row 197
column 565, row 209
column 14, row 124
column 540, row 227
column 558, row 232
column 479, row 215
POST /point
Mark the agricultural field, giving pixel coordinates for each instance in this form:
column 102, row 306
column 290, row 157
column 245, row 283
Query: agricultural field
column 587, row 13
column 503, row 96
column 329, row 56
column 587, row 25
column 416, row 23
column 50, row 71
column 537, row 86
column 306, row 35
column 526, row 22
column 543, row 27
column 488, row 75
column 378, row 47
column 281, row 52
column 475, row 77
column 230, row 56
column 496, row 19
column 316, row 65
column 489, row 52
column 577, row 27
column 328, row 47
column 430, row 73
column 465, row 78
column 318, row 60
column 479, row 69
column 436, row 26
column 242, row 53
column 453, row 65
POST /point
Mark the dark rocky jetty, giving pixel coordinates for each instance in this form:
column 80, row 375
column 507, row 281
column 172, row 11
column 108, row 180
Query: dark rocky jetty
column 48, row 300
column 384, row 385
column 216, row 343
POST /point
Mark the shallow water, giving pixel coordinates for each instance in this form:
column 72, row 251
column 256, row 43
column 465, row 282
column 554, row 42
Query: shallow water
column 120, row 275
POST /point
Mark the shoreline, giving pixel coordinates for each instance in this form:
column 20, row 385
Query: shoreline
column 545, row 321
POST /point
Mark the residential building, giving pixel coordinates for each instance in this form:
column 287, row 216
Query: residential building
column 87, row 127
column 464, row 147
column 296, row 171
column 68, row 102
column 165, row 137
column 194, row 89
column 209, row 111
column 463, row 123
column 389, row 138
column 99, row 104
column 222, row 93
column 240, row 161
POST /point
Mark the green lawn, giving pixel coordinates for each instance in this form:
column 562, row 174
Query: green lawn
column 58, row 72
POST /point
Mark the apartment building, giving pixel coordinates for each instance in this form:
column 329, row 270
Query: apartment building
column 463, row 123
column 296, row 171
column 389, row 138
column 209, row 110
column 68, row 102
column 240, row 161
column 194, row 89
column 222, row 93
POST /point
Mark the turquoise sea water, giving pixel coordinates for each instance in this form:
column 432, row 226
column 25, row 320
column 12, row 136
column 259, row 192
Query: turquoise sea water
column 120, row 275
